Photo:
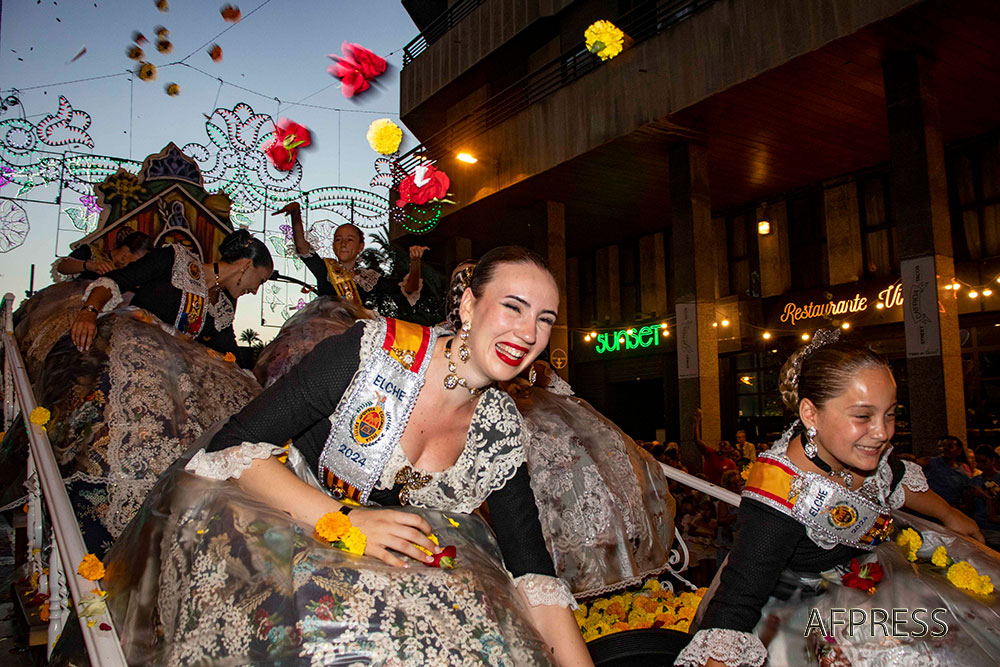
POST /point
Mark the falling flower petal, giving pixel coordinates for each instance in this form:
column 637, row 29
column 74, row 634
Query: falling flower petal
column 356, row 69
column 161, row 32
column 162, row 5
column 231, row 13
column 135, row 53
column 79, row 54
column 173, row 89
column 164, row 46
column 104, row 626
column 139, row 38
column 215, row 52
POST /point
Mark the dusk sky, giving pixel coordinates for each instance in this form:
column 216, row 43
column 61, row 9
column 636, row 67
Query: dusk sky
column 278, row 50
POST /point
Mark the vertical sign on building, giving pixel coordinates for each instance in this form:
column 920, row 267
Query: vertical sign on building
column 920, row 307
column 687, row 340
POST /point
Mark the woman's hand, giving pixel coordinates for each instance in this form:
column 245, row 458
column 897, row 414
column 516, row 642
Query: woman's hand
column 291, row 208
column 963, row 525
column 84, row 330
column 391, row 529
column 100, row 267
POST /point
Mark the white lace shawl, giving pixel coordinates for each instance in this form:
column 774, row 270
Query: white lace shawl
column 730, row 647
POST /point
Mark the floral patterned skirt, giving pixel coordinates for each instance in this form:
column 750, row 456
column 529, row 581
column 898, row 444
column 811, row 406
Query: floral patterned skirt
column 208, row 575
column 127, row 409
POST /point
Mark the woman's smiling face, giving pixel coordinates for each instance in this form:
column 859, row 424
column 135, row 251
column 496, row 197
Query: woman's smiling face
column 512, row 320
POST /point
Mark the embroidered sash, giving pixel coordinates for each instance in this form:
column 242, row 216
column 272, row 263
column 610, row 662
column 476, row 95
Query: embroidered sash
column 191, row 316
column 343, row 282
column 821, row 505
column 371, row 417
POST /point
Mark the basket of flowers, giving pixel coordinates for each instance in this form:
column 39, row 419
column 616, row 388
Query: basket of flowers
column 649, row 624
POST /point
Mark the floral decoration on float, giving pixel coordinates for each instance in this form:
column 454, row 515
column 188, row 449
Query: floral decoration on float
column 652, row 606
column 604, row 39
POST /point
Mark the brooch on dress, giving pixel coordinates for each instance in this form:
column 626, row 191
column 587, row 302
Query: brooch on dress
column 411, row 481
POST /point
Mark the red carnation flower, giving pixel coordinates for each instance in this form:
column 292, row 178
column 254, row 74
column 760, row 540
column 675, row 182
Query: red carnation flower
column 426, row 182
column 289, row 137
column 446, row 559
column 356, row 69
column 863, row 577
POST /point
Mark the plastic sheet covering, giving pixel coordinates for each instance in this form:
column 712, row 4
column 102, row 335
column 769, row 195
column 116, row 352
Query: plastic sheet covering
column 45, row 318
column 208, row 575
column 323, row 317
column 125, row 410
column 606, row 511
column 972, row 638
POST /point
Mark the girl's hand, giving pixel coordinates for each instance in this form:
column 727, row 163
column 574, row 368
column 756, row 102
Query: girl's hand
column 291, row 208
column 963, row 525
column 84, row 330
column 387, row 529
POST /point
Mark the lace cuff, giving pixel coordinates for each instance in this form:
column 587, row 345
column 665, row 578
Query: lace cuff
column 230, row 463
column 913, row 478
column 412, row 298
column 734, row 648
column 540, row 589
column 112, row 286
column 57, row 275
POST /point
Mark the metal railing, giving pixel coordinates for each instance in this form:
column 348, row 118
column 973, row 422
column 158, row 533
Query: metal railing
column 639, row 24
column 61, row 581
column 437, row 28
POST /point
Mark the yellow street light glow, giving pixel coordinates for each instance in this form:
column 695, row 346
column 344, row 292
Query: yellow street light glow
column 630, row 332
column 805, row 336
column 593, row 334
column 621, row 339
column 948, row 286
column 666, row 333
column 664, row 325
column 880, row 306
column 763, row 227
column 587, row 338
column 955, row 285
column 973, row 294
column 845, row 325
column 725, row 323
column 987, row 292
column 466, row 158
column 767, row 335
column 715, row 324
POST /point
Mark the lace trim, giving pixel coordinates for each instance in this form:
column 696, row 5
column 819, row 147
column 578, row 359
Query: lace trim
column 493, row 452
column 731, row 647
column 222, row 312
column 541, row 589
column 230, row 462
column 559, row 386
column 110, row 285
column 57, row 275
column 913, row 478
column 369, row 342
column 411, row 298
column 366, row 278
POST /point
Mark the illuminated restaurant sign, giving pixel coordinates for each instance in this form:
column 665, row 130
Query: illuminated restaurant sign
column 852, row 302
column 630, row 339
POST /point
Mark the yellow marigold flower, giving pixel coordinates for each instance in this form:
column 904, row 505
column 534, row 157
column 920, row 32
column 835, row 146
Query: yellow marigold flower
column 984, row 586
column 686, row 613
column 701, row 592
column 332, row 526
column 621, row 626
column 230, row 357
column 40, row 416
column 355, row 541
column 681, row 626
column 604, row 39
column 453, row 522
column 940, row 557
column 384, row 136
column 910, row 540
column 653, row 585
column 963, row 575
column 146, row 71
column 601, row 628
column 91, row 568
column 690, row 599
column 433, row 538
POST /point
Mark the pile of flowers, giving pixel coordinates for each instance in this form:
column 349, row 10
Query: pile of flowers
column 336, row 528
column 960, row 573
column 652, row 606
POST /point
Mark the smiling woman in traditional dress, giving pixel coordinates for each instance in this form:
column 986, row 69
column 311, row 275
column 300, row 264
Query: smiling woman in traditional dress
column 398, row 426
column 811, row 535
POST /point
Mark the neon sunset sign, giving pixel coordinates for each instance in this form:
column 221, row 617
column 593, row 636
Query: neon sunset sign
column 648, row 336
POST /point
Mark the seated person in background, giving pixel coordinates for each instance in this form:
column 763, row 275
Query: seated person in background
column 946, row 473
column 335, row 275
column 982, row 495
column 88, row 261
column 745, row 449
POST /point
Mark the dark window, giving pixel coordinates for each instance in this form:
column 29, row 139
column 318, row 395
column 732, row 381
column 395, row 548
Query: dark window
column 807, row 240
column 741, row 250
column 878, row 241
column 757, row 384
column 974, row 195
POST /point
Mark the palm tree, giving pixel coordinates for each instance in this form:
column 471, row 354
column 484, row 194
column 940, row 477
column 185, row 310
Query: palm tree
column 249, row 336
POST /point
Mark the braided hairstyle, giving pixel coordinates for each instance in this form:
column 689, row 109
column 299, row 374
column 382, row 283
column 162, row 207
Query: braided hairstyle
column 823, row 369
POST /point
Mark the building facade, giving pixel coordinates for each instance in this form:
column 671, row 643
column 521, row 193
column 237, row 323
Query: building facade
column 742, row 174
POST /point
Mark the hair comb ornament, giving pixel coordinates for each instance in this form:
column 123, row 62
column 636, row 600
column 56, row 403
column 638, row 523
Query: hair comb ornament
column 821, row 338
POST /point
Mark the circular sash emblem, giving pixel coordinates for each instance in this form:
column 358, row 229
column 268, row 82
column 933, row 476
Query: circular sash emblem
column 194, row 270
column 843, row 516
column 368, row 424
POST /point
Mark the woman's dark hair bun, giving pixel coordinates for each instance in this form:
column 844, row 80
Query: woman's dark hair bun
column 242, row 244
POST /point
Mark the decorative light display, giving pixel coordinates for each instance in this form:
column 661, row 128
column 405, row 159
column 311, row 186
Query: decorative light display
column 14, row 225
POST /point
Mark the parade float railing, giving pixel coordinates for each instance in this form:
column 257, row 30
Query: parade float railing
column 60, row 581
column 679, row 556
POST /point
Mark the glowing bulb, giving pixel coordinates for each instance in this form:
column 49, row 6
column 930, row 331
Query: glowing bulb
column 805, row 336
column 664, row 325
column 466, row 158
column 715, row 324
column 973, row 294
column 593, row 334
column 725, row 323
column 845, row 325
column 880, row 306
column 955, row 285
column 948, row 286
column 767, row 335
column 987, row 292
column 630, row 332
column 666, row 333
column 763, row 227
column 621, row 339
column 587, row 338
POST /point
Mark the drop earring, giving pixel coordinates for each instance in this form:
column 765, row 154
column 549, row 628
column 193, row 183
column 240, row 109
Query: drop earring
column 810, row 446
column 463, row 349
